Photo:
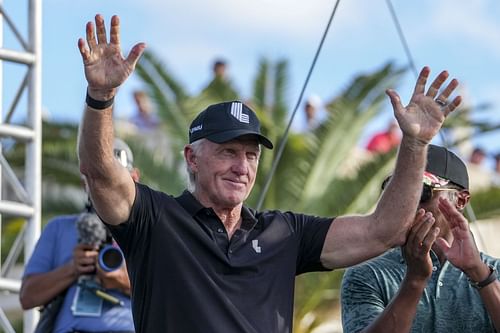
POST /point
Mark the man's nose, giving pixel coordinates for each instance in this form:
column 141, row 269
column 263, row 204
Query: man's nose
column 240, row 165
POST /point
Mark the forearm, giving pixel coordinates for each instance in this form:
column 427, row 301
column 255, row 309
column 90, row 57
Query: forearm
column 399, row 314
column 39, row 289
column 110, row 185
column 95, row 142
column 491, row 300
column 490, row 294
column 397, row 206
column 118, row 280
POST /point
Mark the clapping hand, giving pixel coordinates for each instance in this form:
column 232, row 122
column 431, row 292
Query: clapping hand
column 420, row 239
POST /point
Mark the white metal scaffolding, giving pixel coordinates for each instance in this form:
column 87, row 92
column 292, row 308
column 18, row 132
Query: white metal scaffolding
column 25, row 198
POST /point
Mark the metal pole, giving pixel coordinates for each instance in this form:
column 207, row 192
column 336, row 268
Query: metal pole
column 33, row 151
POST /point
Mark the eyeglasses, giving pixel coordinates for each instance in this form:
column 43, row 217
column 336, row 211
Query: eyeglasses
column 428, row 191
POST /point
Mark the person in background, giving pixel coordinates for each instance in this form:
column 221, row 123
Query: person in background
column 385, row 141
column 438, row 281
column 145, row 118
column 312, row 107
column 477, row 156
column 220, row 87
column 204, row 261
column 60, row 260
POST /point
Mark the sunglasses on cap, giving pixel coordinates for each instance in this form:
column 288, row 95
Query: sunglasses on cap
column 428, row 191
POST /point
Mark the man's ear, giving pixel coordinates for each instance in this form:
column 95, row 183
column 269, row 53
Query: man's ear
column 136, row 174
column 463, row 199
column 190, row 158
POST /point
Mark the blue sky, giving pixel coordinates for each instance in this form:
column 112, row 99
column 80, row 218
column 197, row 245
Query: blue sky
column 461, row 36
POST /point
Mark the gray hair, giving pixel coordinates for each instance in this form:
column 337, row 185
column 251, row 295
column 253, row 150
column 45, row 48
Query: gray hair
column 197, row 147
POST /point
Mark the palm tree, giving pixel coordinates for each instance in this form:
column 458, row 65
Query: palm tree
column 308, row 178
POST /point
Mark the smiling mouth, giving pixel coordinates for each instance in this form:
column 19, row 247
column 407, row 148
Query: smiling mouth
column 235, row 182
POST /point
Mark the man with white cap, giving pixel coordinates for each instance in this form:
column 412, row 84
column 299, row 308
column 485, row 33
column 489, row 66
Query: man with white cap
column 203, row 261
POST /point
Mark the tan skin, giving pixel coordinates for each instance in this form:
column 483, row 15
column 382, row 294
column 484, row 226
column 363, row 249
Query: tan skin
column 39, row 289
column 449, row 236
column 225, row 175
column 350, row 240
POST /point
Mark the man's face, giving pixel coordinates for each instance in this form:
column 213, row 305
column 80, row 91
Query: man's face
column 458, row 198
column 225, row 173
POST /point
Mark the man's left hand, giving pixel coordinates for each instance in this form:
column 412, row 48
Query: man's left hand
column 422, row 118
column 462, row 252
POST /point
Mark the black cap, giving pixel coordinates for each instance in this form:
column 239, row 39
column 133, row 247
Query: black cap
column 443, row 163
column 223, row 122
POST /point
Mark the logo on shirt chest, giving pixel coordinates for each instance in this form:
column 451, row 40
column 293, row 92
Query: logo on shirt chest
column 255, row 246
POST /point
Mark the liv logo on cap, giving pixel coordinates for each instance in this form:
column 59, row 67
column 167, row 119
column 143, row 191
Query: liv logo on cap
column 237, row 112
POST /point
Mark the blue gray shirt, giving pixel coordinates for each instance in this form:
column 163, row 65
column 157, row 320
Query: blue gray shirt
column 449, row 303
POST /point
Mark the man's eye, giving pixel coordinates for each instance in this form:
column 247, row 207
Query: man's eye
column 228, row 152
column 252, row 156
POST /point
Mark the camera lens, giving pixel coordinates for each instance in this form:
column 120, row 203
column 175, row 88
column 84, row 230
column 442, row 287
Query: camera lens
column 110, row 258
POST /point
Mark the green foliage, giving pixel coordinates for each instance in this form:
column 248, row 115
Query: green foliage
column 317, row 173
column 486, row 203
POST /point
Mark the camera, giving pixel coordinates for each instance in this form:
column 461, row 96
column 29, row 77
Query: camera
column 110, row 258
column 91, row 230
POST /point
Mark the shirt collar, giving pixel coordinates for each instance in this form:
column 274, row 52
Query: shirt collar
column 193, row 207
column 189, row 203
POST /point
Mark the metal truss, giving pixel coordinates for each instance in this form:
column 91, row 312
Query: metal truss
column 23, row 197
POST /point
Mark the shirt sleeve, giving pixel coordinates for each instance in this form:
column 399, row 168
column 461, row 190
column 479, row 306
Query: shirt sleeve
column 360, row 300
column 42, row 259
column 133, row 234
column 311, row 234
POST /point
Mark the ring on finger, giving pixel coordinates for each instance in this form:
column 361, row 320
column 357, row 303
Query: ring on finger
column 441, row 103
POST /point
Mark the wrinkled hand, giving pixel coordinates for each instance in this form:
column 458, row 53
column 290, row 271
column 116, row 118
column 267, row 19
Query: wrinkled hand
column 422, row 236
column 423, row 116
column 84, row 259
column 462, row 252
column 105, row 67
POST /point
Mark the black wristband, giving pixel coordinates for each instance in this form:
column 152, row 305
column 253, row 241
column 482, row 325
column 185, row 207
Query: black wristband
column 99, row 105
column 491, row 278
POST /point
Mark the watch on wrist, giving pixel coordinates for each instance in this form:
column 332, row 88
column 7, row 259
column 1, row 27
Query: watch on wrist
column 491, row 278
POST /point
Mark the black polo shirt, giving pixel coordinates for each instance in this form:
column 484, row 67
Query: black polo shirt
column 188, row 277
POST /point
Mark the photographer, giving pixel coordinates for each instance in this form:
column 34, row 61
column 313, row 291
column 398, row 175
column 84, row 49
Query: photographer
column 65, row 262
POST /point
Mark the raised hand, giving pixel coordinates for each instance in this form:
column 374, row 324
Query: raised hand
column 105, row 67
column 419, row 242
column 462, row 252
column 423, row 116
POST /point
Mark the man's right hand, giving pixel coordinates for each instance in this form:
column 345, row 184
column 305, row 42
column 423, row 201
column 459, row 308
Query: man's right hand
column 84, row 259
column 420, row 239
column 105, row 67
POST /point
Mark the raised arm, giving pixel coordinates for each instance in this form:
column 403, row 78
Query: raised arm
column 352, row 239
column 111, row 187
